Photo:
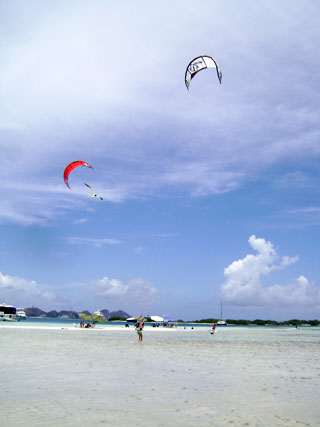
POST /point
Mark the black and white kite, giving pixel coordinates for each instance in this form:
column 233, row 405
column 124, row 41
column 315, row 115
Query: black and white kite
column 200, row 63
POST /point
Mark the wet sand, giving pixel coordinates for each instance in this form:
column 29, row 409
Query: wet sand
column 177, row 377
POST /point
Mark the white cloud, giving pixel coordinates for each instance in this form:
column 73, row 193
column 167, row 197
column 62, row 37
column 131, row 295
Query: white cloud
column 243, row 281
column 138, row 292
column 24, row 292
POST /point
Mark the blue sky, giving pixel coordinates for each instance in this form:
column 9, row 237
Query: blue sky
column 209, row 193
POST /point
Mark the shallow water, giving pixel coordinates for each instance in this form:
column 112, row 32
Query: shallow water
column 239, row 376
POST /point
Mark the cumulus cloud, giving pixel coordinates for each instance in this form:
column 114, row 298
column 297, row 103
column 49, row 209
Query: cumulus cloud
column 24, row 292
column 135, row 291
column 243, row 280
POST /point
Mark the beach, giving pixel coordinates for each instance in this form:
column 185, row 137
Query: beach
column 262, row 376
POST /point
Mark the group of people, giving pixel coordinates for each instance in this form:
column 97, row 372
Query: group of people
column 88, row 325
column 139, row 327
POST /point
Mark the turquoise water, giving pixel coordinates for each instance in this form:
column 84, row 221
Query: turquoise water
column 48, row 322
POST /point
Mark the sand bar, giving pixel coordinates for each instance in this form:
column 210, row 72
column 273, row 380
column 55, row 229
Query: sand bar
column 176, row 377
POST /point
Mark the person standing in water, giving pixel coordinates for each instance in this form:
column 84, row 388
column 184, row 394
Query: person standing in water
column 139, row 328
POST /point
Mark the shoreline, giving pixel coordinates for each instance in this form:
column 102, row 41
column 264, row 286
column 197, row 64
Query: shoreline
column 77, row 328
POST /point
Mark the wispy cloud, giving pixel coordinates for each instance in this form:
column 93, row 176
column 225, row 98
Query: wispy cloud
column 307, row 216
column 295, row 179
column 139, row 249
column 80, row 221
column 165, row 235
column 97, row 242
column 308, row 210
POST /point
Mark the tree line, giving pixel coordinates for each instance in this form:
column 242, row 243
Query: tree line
column 260, row 322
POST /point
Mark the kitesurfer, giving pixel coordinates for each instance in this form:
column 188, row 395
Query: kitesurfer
column 139, row 328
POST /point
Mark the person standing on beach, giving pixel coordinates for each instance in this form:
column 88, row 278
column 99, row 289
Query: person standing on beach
column 139, row 328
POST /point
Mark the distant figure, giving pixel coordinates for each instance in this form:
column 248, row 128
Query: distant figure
column 127, row 325
column 139, row 328
column 81, row 324
column 214, row 327
column 88, row 325
column 93, row 324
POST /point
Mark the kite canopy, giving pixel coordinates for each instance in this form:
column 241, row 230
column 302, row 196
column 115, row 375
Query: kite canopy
column 72, row 166
column 200, row 63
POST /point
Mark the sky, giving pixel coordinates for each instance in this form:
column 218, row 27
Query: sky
column 209, row 195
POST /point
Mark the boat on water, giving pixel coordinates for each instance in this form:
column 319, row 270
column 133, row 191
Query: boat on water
column 221, row 322
column 21, row 314
column 99, row 313
column 8, row 313
column 131, row 320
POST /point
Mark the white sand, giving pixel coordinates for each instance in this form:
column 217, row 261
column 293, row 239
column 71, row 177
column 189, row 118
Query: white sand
column 240, row 376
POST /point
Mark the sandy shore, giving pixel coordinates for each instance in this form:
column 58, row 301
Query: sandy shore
column 175, row 377
column 77, row 328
